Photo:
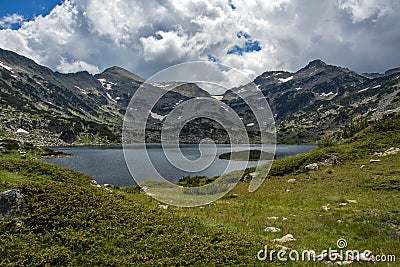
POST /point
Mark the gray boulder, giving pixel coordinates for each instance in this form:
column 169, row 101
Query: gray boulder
column 332, row 160
column 312, row 167
column 10, row 203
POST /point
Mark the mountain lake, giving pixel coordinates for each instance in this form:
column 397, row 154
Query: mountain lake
column 106, row 164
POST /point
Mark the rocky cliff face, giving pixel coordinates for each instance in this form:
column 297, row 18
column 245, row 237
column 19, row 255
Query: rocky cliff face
column 50, row 108
column 321, row 97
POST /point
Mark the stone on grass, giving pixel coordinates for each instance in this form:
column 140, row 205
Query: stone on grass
column 272, row 229
column 326, row 208
column 340, row 263
column 390, row 151
column 365, row 257
column 291, row 180
column 22, row 131
column 374, row 160
column 312, row 167
column 10, row 203
column 331, row 160
column 284, row 239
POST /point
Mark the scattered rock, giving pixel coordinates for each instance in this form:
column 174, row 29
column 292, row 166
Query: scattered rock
column 94, row 183
column 273, row 218
column 338, row 259
column 326, row 208
column 328, row 257
column 272, row 229
column 10, row 203
column 365, row 257
column 284, row 219
column 291, row 180
column 374, row 160
column 163, row 207
column 312, row 167
column 352, row 201
column 254, row 174
column 107, row 185
column 390, row 151
column 322, row 256
column 287, row 190
column 343, row 204
column 286, row 238
column 332, row 160
column 362, row 166
column 340, row 263
column 22, row 131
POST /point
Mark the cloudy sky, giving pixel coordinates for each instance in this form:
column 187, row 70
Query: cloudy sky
column 250, row 35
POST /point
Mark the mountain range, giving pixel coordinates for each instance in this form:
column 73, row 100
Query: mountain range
column 54, row 109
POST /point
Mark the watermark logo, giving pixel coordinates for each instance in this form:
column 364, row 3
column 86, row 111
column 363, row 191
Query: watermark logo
column 155, row 110
column 338, row 255
column 341, row 243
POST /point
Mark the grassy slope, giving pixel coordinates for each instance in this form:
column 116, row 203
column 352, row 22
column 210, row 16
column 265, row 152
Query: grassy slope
column 68, row 221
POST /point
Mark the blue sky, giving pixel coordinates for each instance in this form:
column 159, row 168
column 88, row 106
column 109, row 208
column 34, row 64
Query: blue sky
column 146, row 36
column 28, row 9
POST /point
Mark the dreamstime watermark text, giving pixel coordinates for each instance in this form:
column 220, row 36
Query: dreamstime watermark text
column 331, row 254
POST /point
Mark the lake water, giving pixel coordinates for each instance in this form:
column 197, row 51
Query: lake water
column 106, row 164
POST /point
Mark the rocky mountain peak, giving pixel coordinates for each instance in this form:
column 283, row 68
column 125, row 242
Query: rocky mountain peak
column 120, row 72
column 317, row 63
column 392, row 71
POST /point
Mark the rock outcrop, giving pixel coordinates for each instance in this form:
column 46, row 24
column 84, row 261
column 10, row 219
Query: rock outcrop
column 11, row 203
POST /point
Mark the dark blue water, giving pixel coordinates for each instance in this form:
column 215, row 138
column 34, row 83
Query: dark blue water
column 106, row 164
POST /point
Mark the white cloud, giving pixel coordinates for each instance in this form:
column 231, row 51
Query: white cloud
column 147, row 36
column 361, row 10
column 72, row 67
column 168, row 46
column 9, row 20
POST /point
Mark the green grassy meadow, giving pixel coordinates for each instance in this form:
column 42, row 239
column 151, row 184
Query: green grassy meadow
column 69, row 222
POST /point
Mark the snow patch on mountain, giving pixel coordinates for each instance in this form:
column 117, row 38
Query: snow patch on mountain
column 106, row 84
column 363, row 90
column 327, row 94
column 81, row 90
column 5, row 66
column 109, row 96
column 282, row 80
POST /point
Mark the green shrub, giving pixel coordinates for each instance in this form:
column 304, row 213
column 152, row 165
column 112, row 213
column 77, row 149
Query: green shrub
column 327, row 140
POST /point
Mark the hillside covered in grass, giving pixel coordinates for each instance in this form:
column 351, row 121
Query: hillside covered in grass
column 66, row 219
